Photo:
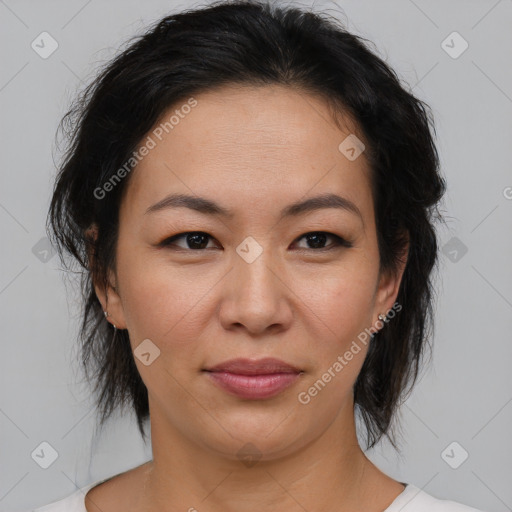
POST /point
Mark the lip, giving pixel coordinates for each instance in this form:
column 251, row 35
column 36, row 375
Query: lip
column 265, row 366
column 254, row 379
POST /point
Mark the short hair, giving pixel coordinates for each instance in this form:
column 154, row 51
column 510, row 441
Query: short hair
column 253, row 42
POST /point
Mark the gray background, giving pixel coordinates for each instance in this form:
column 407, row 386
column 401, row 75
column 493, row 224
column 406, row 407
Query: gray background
column 464, row 397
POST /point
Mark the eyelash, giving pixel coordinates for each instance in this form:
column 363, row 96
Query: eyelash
column 339, row 241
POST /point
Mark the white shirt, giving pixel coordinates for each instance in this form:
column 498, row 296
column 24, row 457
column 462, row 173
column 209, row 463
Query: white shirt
column 412, row 499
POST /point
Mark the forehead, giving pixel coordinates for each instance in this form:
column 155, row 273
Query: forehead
column 250, row 145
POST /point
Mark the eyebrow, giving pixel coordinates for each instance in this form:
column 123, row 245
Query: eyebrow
column 209, row 207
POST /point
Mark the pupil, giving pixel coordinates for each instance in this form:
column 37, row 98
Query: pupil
column 196, row 237
column 317, row 236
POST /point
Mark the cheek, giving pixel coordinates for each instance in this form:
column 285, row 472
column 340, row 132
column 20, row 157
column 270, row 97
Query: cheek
column 161, row 302
column 163, row 306
column 341, row 301
column 341, row 308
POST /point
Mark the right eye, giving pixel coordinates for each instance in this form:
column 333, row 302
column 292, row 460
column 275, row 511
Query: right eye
column 194, row 240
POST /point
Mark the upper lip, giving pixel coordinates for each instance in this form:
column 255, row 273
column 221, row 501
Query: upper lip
column 265, row 366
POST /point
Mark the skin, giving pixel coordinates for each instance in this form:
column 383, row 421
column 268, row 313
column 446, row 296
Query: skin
column 255, row 151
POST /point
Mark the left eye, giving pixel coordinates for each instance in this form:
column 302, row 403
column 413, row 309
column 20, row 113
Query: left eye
column 198, row 240
column 317, row 238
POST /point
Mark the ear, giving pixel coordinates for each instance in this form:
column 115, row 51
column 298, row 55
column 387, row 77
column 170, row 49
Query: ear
column 107, row 295
column 389, row 285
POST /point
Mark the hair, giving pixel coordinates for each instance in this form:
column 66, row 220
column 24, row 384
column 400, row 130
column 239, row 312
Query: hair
column 250, row 42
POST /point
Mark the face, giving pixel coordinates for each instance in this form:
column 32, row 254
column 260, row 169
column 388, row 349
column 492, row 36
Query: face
column 256, row 282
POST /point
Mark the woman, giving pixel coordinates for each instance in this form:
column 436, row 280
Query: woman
column 251, row 193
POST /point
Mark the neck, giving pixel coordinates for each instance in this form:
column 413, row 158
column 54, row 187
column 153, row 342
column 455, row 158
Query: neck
column 330, row 472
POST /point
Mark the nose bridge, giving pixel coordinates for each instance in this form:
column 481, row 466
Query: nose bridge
column 255, row 269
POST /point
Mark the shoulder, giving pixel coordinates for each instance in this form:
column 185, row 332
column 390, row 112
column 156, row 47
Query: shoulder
column 72, row 503
column 414, row 499
column 113, row 489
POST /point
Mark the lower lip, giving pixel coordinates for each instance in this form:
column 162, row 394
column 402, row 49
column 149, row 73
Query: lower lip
column 254, row 387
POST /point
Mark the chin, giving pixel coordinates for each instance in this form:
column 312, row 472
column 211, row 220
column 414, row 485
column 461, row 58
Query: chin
column 264, row 437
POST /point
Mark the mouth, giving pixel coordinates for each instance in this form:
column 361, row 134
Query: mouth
column 254, row 379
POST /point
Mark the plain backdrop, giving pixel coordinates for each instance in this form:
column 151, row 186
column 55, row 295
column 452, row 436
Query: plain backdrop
column 462, row 407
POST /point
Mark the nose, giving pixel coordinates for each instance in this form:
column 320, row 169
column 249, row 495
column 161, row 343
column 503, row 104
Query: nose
column 256, row 297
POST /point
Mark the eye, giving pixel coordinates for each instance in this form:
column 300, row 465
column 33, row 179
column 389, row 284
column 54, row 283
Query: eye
column 318, row 238
column 198, row 240
column 194, row 240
